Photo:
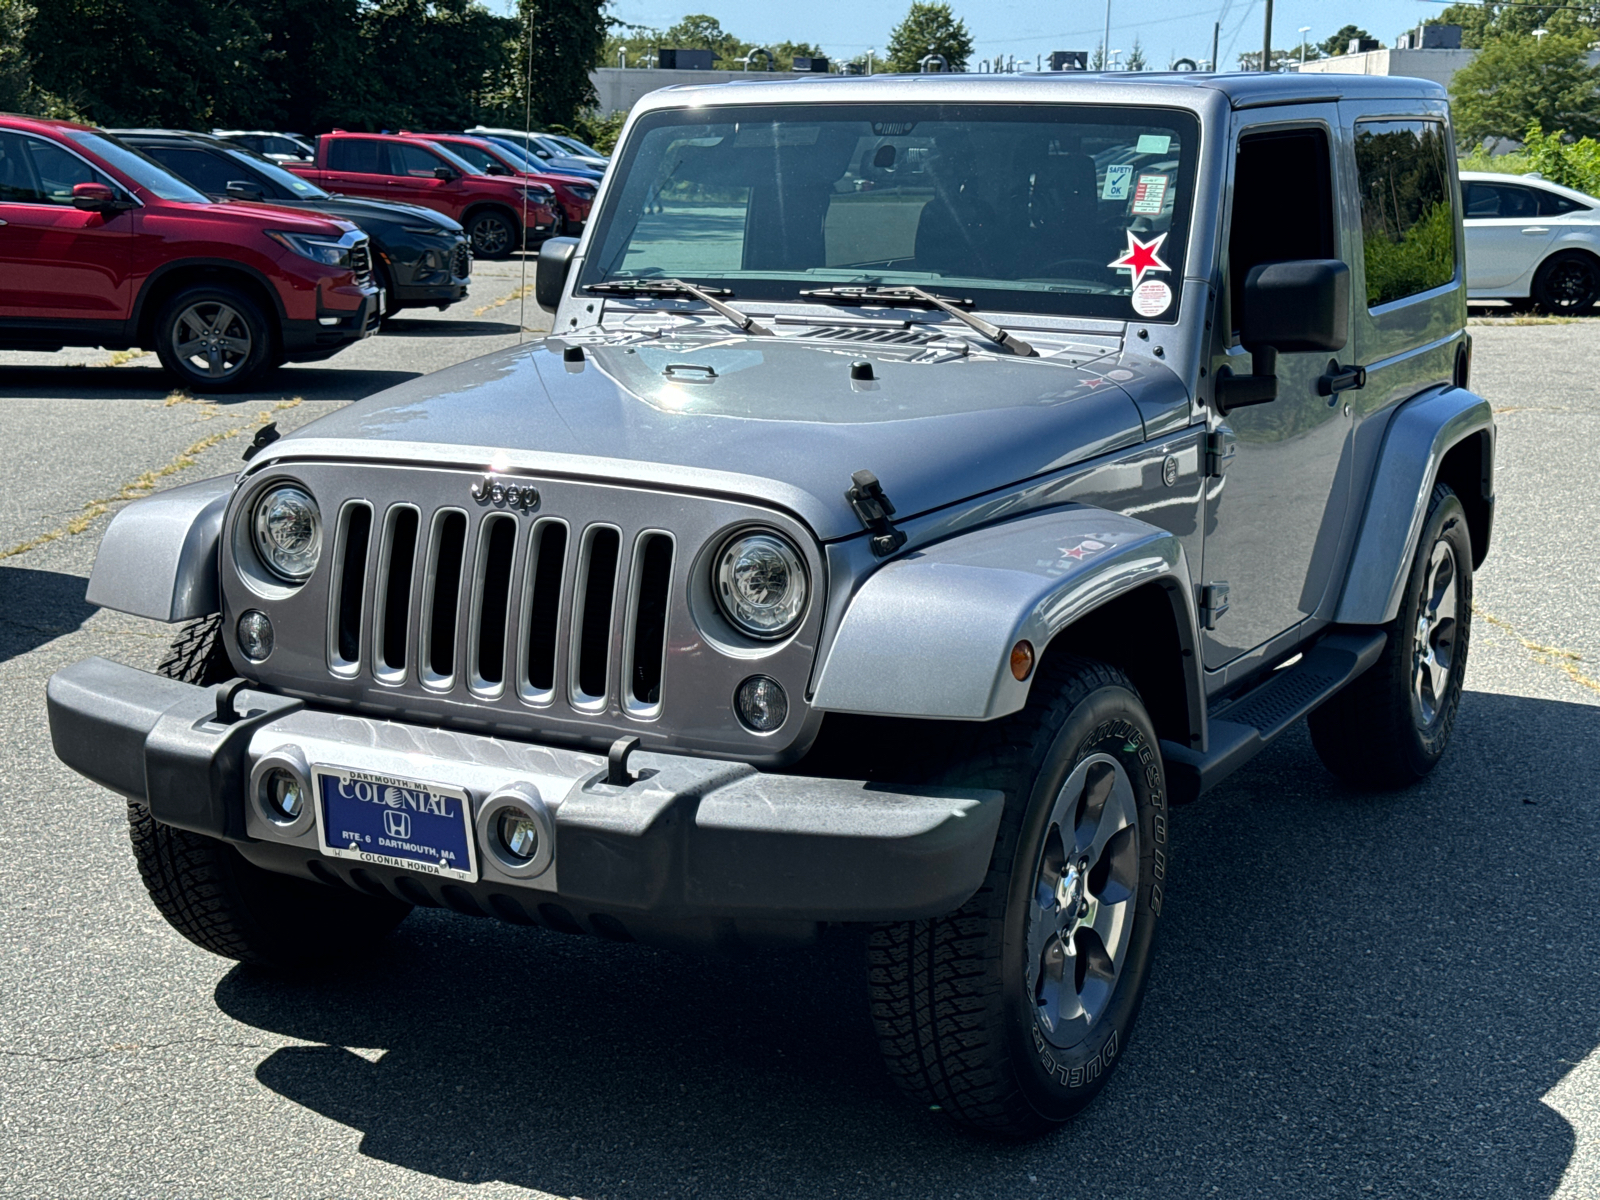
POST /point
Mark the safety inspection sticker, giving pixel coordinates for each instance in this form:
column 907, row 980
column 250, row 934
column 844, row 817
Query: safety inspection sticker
column 1152, row 298
column 1150, row 194
column 1118, row 179
column 1154, row 143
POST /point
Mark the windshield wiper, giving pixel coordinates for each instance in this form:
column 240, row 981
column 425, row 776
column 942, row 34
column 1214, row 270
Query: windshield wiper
column 677, row 287
column 915, row 295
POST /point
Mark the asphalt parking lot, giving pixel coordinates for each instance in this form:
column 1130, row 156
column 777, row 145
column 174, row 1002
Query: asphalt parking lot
column 1354, row 995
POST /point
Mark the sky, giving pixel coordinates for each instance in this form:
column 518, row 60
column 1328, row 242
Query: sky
column 1168, row 29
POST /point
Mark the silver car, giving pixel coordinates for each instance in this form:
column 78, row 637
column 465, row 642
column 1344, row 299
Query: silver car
column 929, row 483
column 1531, row 241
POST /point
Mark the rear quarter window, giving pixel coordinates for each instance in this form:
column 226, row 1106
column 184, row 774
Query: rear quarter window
column 1408, row 231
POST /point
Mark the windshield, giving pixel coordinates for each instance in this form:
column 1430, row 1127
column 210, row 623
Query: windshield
column 304, row 189
column 576, row 147
column 1071, row 209
column 137, row 166
column 476, row 157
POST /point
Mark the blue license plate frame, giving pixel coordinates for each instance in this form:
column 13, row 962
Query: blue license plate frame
column 389, row 821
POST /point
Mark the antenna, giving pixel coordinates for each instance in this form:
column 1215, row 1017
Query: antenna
column 527, row 144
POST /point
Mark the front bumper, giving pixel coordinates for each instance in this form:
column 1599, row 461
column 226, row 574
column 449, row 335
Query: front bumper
column 692, row 849
column 332, row 330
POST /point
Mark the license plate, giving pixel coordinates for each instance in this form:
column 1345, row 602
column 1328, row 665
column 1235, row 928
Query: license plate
column 422, row 827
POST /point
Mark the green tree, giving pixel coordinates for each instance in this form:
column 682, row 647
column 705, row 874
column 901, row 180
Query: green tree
column 1518, row 80
column 1483, row 24
column 1339, row 43
column 16, row 66
column 1136, row 60
column 1097, row 60
column 930, row 27
column 567, row 37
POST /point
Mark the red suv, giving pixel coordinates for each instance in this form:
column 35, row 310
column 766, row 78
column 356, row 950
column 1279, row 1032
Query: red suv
column 573, row 197
column 101, row 246
column 499, row 214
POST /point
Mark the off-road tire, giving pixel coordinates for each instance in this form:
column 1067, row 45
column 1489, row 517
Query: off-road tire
column 251, row 323
column 208, row 892
column 1372, row 733
column 955, row 1020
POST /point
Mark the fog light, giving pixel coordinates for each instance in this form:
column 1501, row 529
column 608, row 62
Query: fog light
column 255, row 635
column 761, row 704
column 282, row 795
column 519, row 835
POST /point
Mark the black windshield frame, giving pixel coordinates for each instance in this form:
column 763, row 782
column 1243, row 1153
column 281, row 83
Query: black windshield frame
column 619, row 218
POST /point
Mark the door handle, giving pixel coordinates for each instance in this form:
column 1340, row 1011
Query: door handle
column 1341, row 379
column 1533, row 229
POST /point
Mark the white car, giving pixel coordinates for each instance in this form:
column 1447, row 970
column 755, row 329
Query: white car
column 1531, row 240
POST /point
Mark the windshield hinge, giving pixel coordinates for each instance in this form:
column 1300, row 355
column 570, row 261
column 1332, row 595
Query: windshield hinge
column 872, row 506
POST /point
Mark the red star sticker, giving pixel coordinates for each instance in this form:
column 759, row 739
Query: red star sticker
column 1141, row 257
column 1075, row 552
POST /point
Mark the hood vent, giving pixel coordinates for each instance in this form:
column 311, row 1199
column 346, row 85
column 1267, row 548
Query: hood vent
column 878, row 337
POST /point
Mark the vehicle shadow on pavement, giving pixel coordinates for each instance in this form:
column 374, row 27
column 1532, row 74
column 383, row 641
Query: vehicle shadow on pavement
column 37, row 607
column 138, row 382
column 1353, row 994
column 404, row 326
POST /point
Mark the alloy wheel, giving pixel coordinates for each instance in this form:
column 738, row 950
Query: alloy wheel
column 212, row 339
column 1569, row 286
column 491, row 236
column 1433, row 645
column 1080, row 915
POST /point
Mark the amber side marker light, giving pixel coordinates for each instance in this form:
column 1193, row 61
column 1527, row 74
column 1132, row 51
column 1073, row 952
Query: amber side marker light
column 1022, row 660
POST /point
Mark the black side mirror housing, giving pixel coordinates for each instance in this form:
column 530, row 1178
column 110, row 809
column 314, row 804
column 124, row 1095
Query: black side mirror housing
column 496, row 169
column 444, row 173
column 550, row 275
column 1291, row 307
column 239, row 189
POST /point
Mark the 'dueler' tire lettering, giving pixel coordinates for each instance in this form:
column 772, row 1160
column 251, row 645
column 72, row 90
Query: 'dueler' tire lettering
column 1391, row 725
column 1010, row 1014
column 208, row 892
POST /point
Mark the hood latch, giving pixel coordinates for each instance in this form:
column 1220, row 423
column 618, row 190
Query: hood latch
column 872, row 506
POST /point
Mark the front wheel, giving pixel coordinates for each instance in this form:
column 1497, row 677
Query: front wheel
column 493, row 235
column 1391, row 725
column 214, row 338
column 1567, row 283
column 1010, row 1014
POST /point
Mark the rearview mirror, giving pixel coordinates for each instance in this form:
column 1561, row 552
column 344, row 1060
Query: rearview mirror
column 239, row 189
column 444, row 173
column 550, row 276
column 1293, row 307
column 95, row 197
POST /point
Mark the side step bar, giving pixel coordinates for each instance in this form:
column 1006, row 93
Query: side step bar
column 1245, row 726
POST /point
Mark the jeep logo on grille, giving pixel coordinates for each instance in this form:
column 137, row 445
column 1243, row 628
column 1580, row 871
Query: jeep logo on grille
column 491, row 489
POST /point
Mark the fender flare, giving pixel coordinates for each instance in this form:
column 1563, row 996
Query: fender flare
column 930, row 634
column 1419, row 435
column 233, row 265
column 159, row 556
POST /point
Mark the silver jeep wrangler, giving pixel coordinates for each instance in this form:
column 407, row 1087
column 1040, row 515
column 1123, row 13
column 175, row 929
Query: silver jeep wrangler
column 929, row 481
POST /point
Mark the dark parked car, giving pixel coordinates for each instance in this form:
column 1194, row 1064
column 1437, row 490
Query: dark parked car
column 280, row 147
column 104, row 246
column 421, row 257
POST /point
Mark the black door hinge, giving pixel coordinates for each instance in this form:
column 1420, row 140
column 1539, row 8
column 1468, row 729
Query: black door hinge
column 1213, row 604
column 1221, row 445
column 873, row 508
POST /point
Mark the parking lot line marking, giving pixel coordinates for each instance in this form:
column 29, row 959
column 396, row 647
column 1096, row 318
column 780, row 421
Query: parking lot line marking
column 1552, row 656
column 141, row 487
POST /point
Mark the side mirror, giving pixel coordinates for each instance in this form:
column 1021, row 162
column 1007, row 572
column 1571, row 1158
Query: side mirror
column 239, row 189
column 550, row 275
column 1288, row 308
column 542, row 153
column 444, row 173
column 95, row 197
column 495, row 168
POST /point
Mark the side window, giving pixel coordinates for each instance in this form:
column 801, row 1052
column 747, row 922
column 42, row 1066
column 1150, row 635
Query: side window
column 1552, row 205
column 17, row 183
column 413, row 161
column 1479, row 201
column 1408, row 231
column 362, row 156
column 58, row 171
column 206, row 171
column 1263, row 228
column 475, row 156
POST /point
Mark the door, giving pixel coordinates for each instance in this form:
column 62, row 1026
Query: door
column 357, row 167
column 58, row 264
column 1275, row 514
column 1506, row 237
column 412, row 178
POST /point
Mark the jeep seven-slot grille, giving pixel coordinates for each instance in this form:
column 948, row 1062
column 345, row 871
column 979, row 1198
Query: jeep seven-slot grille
column 537, row 599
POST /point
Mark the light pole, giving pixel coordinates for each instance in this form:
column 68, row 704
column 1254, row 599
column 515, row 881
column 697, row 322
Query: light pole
column 1304, row 29
column 1111, row 59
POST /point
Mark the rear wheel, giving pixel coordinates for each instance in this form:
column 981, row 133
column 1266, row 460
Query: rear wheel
column 208, row 892
column 493, row 234
column 1391, row 726
column 1567, row 283
column 214, row 338
column 1009, row 1014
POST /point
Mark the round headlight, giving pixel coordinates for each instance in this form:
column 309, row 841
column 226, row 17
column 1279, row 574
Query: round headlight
column 761, row 584
column 288, row 529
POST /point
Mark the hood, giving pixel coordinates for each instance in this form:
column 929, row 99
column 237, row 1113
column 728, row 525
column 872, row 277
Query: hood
column 283, row 216
column 772, row 418
column 357, row 209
